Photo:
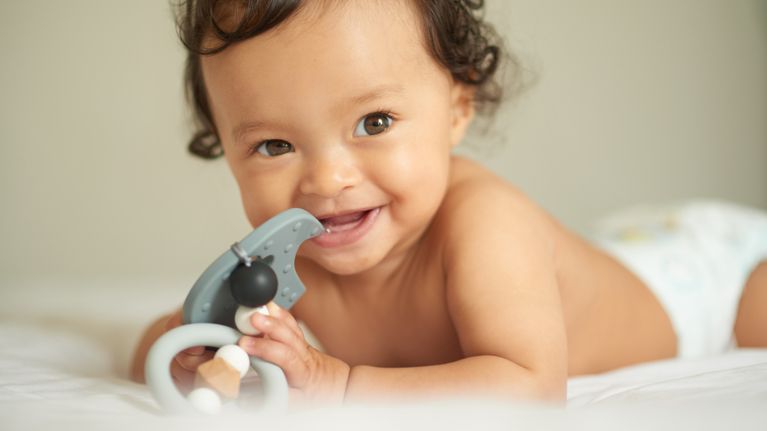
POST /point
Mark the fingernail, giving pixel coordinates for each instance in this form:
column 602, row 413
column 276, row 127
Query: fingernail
column 260, row 320
column 245, row 342
column 195, row 351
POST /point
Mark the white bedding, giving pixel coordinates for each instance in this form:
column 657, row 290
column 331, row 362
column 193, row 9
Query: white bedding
column 64, row 361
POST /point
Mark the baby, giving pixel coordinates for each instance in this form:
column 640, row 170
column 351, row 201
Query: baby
column 437, row 277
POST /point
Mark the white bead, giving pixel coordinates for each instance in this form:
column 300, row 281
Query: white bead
column 205, row 400
column 242, row 318
column 237, row 358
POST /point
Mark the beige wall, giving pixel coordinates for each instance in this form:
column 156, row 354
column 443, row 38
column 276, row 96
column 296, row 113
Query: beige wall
column 635, row 102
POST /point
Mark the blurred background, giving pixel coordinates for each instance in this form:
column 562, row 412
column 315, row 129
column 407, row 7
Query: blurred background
column 633, row 102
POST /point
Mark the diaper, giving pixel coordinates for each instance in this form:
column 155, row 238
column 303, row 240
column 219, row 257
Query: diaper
column 696, row 258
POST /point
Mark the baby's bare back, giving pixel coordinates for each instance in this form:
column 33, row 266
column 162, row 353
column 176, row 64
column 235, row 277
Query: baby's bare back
column 611, row 319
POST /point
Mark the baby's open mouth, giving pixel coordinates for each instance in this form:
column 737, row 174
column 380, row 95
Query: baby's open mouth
column 346, row 228
column 344, row 222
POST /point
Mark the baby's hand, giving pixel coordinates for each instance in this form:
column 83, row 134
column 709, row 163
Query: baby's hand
column 312, row 376
column 184, row 365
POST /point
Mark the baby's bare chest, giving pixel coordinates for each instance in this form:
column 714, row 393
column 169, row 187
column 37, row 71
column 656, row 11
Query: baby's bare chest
column 410, row 329
column 398, row 338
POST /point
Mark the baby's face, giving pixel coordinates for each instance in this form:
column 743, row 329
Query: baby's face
column 341, row 112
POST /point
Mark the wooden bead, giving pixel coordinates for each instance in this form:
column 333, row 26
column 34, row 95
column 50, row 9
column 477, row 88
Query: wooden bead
column 218, row 375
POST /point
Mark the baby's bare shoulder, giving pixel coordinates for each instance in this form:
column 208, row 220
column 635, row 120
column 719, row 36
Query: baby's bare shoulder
column 478, row 200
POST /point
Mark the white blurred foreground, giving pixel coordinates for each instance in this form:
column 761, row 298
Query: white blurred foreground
column 65, row 350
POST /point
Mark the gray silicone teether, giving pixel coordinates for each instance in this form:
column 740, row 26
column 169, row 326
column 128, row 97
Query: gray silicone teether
column 210, row 299
column 209, row 308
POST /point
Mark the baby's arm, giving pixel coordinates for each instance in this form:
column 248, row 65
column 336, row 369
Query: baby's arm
column 503, row 298
column 184, row 364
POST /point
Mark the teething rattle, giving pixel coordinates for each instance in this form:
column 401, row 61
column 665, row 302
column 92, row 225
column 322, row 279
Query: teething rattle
column 217, row 310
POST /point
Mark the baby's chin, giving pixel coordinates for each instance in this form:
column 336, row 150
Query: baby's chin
column 346, row 263
column 345, row 266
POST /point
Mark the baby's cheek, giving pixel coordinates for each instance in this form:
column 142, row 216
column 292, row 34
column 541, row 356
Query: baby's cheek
column 259, row 207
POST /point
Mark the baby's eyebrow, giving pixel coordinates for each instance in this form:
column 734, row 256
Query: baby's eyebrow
column 376, row 93
column 243, row 128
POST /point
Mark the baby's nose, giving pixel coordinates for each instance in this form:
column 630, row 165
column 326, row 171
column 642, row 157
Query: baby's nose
column 329, row 175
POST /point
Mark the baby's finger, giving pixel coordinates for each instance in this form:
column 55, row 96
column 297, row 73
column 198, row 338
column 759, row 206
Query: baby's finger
column 194, row 351
column 284, row 315
column 278, row 330
column 292, row 362
column 191, row 362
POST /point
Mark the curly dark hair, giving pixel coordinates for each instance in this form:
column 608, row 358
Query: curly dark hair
column 454, row 31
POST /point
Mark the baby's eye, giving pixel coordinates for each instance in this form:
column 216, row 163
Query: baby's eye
column 273, row 148
column 373, row 124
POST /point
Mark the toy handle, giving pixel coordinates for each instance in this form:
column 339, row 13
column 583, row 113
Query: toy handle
column 157, row 366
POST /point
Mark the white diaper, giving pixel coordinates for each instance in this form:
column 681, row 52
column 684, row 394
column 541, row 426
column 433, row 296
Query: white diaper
column 696, row 258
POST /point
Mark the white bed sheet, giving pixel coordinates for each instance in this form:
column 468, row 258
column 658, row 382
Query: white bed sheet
column 64, row 362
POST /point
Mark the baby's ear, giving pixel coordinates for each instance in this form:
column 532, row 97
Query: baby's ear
column 462, row 102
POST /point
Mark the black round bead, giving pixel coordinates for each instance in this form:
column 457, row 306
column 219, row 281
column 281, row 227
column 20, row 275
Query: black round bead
column 254, row 285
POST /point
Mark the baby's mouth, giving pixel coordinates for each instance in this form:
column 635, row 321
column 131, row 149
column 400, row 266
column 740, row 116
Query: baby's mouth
column 344, row 222
column 346, row 228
